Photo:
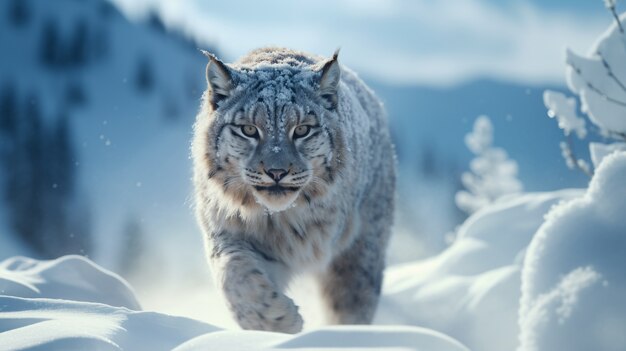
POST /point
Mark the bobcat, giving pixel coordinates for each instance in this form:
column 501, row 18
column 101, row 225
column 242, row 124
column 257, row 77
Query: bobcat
column 294, row 172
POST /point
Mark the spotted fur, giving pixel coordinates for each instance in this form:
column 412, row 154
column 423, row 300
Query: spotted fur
column 272, row 205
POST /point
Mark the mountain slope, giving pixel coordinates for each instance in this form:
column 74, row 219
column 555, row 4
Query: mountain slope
column 131, row 91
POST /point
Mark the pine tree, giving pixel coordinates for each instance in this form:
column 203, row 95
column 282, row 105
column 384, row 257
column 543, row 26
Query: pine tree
column 155, row 22
column 49, row 44
column 77, row 53
column 100, row 43
column 23, row 183
column 19, row 12
column 75, row 94
column 144, row 77
column 8, row 139
column 428, row 166
column 171, row 112
column 492, row 174
column 8, row 113
column 133, row 250
column 59, row 192
column 39, row 181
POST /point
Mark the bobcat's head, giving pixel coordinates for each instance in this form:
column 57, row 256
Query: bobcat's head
column 269, row 129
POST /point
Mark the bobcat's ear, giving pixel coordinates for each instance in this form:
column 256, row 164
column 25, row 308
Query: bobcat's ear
column 329, row 80
column 219, row 79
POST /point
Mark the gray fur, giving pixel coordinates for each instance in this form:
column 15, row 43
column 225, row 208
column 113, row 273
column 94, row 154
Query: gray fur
column 331, row 215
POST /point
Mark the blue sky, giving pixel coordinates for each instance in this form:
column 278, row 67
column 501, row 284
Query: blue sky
column 434, row 42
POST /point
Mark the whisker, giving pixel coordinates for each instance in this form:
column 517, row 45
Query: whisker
column 317, row 180
column 231, row 181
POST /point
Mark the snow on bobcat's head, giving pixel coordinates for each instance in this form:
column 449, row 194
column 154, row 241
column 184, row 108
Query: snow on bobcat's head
column 265, row 127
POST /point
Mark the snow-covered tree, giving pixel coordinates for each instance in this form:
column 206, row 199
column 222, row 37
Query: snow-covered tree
column 492, row 174
column 19, row 12
column 78, row 44
column 144, row 75
column 50, row 44
column 599, row 80
column 133, row 249
column 8, row 112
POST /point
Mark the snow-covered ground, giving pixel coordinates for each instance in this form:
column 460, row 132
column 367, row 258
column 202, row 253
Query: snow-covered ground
column 573, row 280
column 72, row 304
column 473, row 287
column 560, row 253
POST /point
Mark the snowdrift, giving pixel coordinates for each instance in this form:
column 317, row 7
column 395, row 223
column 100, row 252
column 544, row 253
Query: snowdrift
column 573, row 281
column 471, row 290
column 559, row 253
column 72, row 304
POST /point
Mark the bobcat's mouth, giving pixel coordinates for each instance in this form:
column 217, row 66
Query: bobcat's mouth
column 276, row 197
column 277, row 189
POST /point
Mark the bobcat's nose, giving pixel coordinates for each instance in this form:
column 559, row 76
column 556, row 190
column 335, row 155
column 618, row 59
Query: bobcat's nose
column 276, row 174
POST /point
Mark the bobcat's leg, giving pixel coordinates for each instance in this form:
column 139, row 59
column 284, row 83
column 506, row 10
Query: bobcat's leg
column 351, row 284
column 252, row 284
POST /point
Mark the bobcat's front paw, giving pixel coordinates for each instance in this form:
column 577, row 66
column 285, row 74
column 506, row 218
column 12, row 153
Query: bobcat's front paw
column 258, row 306
column 274, row 312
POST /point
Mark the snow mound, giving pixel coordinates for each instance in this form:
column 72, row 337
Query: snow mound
column 69, row 277
column 63, row 325
column 599, row 151
column 72, row 304
column 329, row 338
column 472, row 289
column 573, row 281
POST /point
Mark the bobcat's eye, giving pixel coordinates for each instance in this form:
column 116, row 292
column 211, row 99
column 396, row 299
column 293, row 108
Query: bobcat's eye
column 250, row 131
column 301, row 131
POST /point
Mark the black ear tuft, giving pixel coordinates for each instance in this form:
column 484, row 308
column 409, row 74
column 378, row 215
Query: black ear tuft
column 329, row 80
column 219, row 79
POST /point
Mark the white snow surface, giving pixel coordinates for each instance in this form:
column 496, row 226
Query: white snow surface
column 471, row 290
column 599, row 151
column 560, row 253
column 72, row 304
column 573, row 281
column 569, row 280
column 69, row 277
column 342, row 338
